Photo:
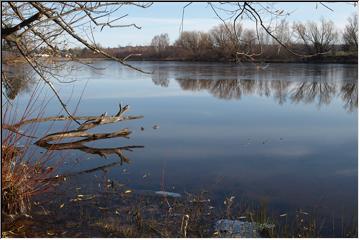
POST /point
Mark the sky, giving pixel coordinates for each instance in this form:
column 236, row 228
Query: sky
column 165, row 17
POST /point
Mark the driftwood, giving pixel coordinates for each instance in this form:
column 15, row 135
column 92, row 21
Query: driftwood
column 65, row 118
column 89, row 123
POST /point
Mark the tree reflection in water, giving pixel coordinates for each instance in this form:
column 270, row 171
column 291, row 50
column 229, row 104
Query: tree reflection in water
column 160, row 77
column 309, row 92
column 349, row 94
column 321, row 84
column 318, row 92
column 17, row 80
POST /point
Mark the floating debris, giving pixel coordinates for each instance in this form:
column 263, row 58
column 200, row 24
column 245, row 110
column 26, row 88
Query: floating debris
column 110, row 183
column 266, row 225
column 142, row 128
column 228, row 201
column 305, row 213
column 283, row 215
column 156, row 127
column 128, row 191
column 45, row 212
column 168, row 194
column 216, row 233
column 62, row 205
column 200, row 200
column 81, row 197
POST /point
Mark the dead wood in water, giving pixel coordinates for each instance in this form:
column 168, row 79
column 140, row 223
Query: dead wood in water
column 89, row 123
column 106, row 119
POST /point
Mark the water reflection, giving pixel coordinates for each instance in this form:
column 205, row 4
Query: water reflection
column 312, row 154
column 102, row 152
column 16, row 79
column 160, row 77
column 307, row 92
column 349, row 94
column 318, row 92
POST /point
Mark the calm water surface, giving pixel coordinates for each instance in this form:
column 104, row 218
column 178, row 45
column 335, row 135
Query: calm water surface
column 281, row 133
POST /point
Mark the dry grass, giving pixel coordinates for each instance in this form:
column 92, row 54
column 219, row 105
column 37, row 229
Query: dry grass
column 22, row 175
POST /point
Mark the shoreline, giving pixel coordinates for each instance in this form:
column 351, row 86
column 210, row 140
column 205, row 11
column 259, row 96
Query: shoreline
column 324, row 61
column 352, row 59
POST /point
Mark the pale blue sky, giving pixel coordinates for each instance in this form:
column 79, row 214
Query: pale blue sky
column 165, row 17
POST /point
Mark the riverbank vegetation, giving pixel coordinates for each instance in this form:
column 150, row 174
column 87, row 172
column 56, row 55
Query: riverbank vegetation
column 22, row 175
column 321, row 42
column 300, row 42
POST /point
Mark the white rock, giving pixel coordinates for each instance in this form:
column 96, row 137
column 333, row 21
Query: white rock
column 236, row 229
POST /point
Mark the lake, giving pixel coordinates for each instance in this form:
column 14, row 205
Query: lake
column 284, row 134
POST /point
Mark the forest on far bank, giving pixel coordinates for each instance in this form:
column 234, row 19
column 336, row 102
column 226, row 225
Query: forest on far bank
column 312, row 41
column 302, row 42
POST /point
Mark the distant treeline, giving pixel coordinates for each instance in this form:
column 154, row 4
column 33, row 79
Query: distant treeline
column 297, row 42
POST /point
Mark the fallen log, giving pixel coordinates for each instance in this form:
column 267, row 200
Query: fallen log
column 105, row 118
column 53, row 141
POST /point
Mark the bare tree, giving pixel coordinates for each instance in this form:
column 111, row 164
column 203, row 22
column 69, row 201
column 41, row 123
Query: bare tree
column 160, row 42
column 319, row 38
column 350, row 35
column 196, row 44
column 227, row 39
column 188, row 40
column 263, row 15
column 283, row 33
column 36, row 29
column 249, row 39
column 205, row 44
